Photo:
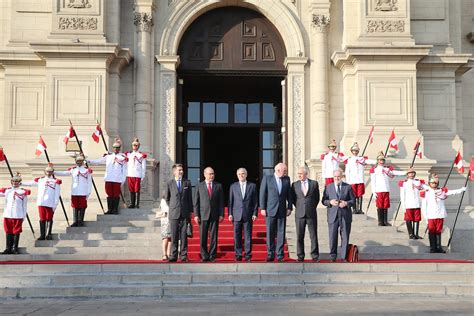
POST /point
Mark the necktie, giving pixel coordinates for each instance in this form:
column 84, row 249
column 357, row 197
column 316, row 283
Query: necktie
column 279, row 185
column 338, row 191
column 242, row 189
column 179, row 185
column 209, row 189
column 304, row 187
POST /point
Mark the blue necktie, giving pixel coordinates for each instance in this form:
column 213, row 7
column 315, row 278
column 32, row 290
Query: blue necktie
column 179, row 185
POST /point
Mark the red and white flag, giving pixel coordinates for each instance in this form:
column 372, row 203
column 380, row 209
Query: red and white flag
column 371, row 134
column 393, row 141
column 41, row 147
column 471, row 168
column 418, row 150
column 458, row 162
column 97, row 133
column 2, row 155
column 70, row 134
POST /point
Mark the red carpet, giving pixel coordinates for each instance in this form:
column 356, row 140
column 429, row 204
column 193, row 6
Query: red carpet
column 225, row 242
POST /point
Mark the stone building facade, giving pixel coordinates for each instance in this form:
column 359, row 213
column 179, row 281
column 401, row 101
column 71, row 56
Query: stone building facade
column 345, row 66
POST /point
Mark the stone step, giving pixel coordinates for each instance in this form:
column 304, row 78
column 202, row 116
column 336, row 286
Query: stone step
column 130, row 250
column 127, row 217
column 156, row 242
column 107, row 236
column 113, row 230
column 123, row 223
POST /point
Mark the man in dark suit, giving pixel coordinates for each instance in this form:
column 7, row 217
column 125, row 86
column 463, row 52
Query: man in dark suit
column 306, row 198
column 242, row 212
column 208, row 213
column 339, row 198
column 276, row 204
column 179, row 198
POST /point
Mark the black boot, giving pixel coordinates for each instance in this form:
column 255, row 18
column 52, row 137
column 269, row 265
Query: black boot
column 432, row 242
column 49, row 236
column 360, row 205
column 133, row 196
column 80, row 217
column 75, row 216
column 137, row 204
column 42, row 230
column 116, row 205
column 385, row 217
column 16, row 241
column 380, row 216
column 439, row 248
column 9, row 242
column 110, row 207
column 410, row 230
column 416, row 229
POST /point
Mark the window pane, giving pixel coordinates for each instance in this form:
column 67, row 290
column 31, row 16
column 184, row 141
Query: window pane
column 193, row 157
column 194, row 112
column 268, row 158
column 209, row 112
column 268, row 140
column 193, row 139
column 240, row 113
column 254, row 113
column 267, row 172
column 193, row 176
column 222, row 113
column 268, row 113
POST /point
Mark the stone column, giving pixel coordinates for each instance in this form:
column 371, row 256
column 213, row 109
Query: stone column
column 167, row 115
column 143, row 78
column 319, row 85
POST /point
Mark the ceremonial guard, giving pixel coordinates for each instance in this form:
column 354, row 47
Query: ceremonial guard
column 330, row 162
column 410, row 199
column 380, row 181
column 355, row 175
column 16, row 200
column 434, row 210
column 81, row 187
column 115, row 173
column 49, row 190
column 136, row 170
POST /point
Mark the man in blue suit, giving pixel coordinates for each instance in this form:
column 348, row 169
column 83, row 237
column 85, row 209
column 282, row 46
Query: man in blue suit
column 339, row 198
column 276, row 205
column 242, row 212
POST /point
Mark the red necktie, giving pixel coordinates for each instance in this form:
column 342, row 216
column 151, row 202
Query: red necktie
column 209, row 189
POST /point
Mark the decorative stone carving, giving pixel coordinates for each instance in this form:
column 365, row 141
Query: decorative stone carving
column 385, row 26
column 321, row 22
column 166, row 124
column 297, row 119
column 77, row 23
column 143, row 21
column 386, row 5
column 79, row 4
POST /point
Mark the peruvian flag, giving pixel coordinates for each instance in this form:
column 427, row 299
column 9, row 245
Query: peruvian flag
column 418, row 150
column 393, row 141
column 97, row 133
column 471, row 168
column 70, row 134
column 458, row 162
column 371, row 134
column 2, row 155
column 41, row 147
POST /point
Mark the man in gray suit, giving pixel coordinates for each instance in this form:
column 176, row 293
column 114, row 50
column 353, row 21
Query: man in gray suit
column 276, row 204
column 339, row 198
column 208, row 213
column 242, row 212
column 179, row 198
column 306, row 198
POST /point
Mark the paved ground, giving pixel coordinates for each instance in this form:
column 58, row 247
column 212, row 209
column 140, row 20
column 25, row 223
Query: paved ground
column 293, row 307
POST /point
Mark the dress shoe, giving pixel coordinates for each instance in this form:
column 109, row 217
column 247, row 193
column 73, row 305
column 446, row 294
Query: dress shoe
column 184, row 260
column 172, row 260
column 248, row 259
column 205, row 260
column 300, row 259
column 333, row 259
column 343, row 260
column 316, row 259
column 270, row 259
column 238, row 258
column 281, row 259
column 212, row 259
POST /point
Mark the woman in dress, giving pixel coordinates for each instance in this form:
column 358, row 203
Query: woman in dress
column 165, row 229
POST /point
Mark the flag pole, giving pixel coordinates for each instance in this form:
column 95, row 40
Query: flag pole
column 93, row 182
column 11, row 174
column 60, row 198
column 107, row 150
column 459, row 208
column 368, row 139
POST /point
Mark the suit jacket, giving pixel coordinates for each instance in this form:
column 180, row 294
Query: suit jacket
column 346, row 194
column 209, row 208
column 305, row 205
column 180, row 203
column 242, row 209
column 275, row 204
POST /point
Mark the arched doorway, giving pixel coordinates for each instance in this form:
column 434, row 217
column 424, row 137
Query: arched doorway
column 229, row 103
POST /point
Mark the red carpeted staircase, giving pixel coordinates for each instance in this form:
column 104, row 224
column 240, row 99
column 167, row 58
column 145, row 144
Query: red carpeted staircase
column 225, row 242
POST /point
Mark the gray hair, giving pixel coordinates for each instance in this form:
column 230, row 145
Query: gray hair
column 241, row 170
